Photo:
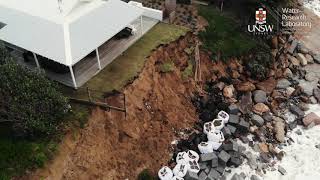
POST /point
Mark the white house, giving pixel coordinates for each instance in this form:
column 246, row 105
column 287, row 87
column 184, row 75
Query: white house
column 67, row 31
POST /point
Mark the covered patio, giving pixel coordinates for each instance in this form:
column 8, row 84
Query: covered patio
column 73, row 46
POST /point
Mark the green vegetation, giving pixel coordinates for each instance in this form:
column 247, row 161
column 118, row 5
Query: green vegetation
column 32, row 116
column 126, row 67
column 259, row 65
column 222, row 37
column 188, row 72
column 146, row 175
column 167, row 67
column 17, row 155
column 29, row 101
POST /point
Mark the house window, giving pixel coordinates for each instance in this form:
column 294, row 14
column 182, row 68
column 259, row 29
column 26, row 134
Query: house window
column 2, row 25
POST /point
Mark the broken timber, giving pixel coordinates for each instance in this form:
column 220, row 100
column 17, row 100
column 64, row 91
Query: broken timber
column 100, row 104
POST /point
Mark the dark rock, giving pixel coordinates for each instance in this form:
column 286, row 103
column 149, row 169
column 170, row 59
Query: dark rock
column 264, row 157
column 298, row 132
column 234, row 119
column 206, row 116
column 191, row 176
column 232, row 128
column 267, row 117
column 221, row 168
column 316, row 58
column 257, row 120
column 233, row 109
column 230, row 146
column 224, row 157
column 243, row 126
column 236, row 160
column 203, row 176
column 297, row 111
column 282, row 170
column 208, row 157
column 214, row 162
column 260, row 96
column 203, row 165
column 316, row 94
column 244, row 139
column 293, row 125
column 283, row 84
column 246, row 103
column 293, row 47
column 213, row 174
column 226, row 132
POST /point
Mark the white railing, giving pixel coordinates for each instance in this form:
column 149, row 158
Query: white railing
column 148, row 12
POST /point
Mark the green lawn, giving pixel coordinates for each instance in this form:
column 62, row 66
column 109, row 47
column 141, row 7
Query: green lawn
column 124, row 68
column 223, row 35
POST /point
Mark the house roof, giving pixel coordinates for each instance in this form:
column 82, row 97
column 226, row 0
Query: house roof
column 64, row 32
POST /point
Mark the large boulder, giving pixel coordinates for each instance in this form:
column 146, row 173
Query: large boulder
column 245, row 86
column 260, row 96
column 316, row 58
column 260, row 108
column 294, row 61
column 311, row 118
column 257, row 120
column 303, row 60
column 283, row 84
column 279, row 131
column 267, row 86
column 245, row 105
column 228, row 91
column 316, row 93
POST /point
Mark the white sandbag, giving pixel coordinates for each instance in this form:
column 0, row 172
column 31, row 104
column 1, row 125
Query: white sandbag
column 193, row 166
column 216, row 145
column 180, row 170
column 224, row 116
column 218, row 124
column 205, row 147
column 217, row 137
column 208, row 127
column 177, row 178
column 165, row 173
column 182, row 157
column 192, row 155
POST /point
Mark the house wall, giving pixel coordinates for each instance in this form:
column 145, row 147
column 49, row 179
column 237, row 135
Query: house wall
column 148, row 12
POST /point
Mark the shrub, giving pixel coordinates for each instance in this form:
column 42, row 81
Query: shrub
column 29, row 101
column 259, row 65
column 167, row 67
column 145, row 175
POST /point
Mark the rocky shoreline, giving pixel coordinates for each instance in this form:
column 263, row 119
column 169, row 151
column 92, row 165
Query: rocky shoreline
column 261, row 114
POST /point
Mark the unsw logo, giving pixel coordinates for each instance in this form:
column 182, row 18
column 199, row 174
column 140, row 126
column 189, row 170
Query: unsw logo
column 260, row 27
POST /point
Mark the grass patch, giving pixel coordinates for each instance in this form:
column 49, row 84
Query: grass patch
column 167, row 67
column 127, row 66
column 188, row 72
column 222, row 35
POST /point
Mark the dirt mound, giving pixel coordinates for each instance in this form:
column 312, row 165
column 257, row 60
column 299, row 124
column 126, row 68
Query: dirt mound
column 158, row 107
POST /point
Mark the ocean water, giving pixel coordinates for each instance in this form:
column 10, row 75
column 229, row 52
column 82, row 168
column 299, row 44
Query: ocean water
column 302, row 159
column 314, row 5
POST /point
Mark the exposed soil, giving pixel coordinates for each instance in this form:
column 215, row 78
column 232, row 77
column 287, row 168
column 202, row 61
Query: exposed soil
column 158, row 107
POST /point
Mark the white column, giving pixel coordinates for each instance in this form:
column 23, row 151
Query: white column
column 73, row 78
column 141, row 25
column 98, row 58
column 36, row 59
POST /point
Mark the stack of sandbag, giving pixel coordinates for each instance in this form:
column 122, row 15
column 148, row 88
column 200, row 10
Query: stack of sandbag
column 214, row 134
column 187, row 166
